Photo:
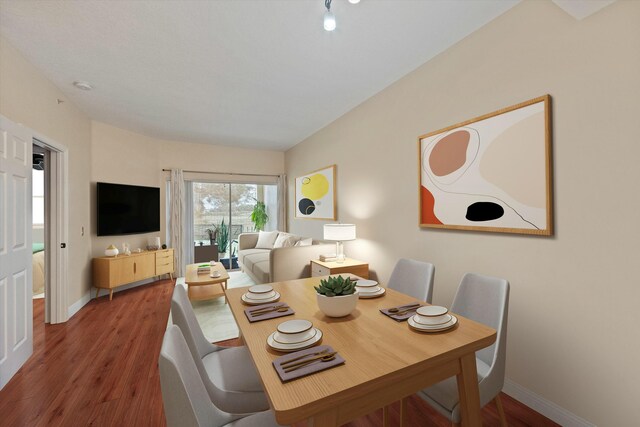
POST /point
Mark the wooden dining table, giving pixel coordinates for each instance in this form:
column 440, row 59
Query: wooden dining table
column 386, row 361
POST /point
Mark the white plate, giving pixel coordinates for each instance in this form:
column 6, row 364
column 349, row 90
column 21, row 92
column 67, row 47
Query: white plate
column 295, row 326
column 261, row 289
column 435, row 328
column 259, row 297
column 432, row 310
column 365, row 283
column 248, row 301
column 282, row 338
column 371, row 290
column 294, row 347
column 446, row 319
column 372, row 294
column 215, row 275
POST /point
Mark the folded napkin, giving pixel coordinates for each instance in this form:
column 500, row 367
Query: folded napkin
column 401, row 317
column 270, row 315
column 312, row 368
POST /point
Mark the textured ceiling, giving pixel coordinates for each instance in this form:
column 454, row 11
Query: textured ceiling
column 252, row 73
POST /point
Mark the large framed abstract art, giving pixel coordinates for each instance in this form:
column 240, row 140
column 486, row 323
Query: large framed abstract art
column 316, row 194
column 491, row 173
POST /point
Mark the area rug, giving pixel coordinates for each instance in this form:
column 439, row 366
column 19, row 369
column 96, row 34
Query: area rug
column 214, row 315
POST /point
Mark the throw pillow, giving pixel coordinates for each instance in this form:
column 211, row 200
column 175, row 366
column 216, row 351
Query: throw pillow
column 285, row 240
column 304, row 242
column 266, row 239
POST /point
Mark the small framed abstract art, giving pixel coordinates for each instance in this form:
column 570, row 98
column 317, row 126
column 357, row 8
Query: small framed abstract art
column 491, row 173
column 316, row 194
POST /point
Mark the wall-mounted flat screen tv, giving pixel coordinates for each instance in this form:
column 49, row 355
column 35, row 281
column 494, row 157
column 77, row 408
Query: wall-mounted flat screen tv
column 127, row 209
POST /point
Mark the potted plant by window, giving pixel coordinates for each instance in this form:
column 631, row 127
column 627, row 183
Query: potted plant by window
column 212, row 235
column 259, row 215
column 222, row 238
column 336, row 296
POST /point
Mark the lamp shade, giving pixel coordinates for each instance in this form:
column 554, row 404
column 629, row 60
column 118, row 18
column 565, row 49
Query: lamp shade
column 339, row 232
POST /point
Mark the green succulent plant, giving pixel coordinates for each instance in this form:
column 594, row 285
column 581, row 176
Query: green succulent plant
column 336, row 286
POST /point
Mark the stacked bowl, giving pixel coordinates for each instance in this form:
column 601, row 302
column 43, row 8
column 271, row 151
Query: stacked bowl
column 294, row 335
column 432, row 318
column 260, row 294
column 369, row 288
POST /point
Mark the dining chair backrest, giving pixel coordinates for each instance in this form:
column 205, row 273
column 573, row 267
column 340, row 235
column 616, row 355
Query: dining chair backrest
column 486, row 300
column 183, row 315
column 185, row 318
column 413, row 278
column 185, row 398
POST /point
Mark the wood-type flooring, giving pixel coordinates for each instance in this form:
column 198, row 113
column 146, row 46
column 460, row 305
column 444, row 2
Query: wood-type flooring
column 100, row 369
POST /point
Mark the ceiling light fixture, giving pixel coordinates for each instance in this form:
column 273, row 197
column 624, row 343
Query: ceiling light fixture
column 329, row 17
column 354, row 1
column 82, row 85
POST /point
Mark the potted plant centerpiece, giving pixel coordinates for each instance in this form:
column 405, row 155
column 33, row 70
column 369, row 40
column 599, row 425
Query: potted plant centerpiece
column 337, row 296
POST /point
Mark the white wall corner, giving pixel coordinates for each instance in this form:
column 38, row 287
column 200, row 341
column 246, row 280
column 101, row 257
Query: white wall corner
column 581, row 9
column 545, row 407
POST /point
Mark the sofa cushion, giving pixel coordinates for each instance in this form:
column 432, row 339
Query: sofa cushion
column 304, row 242
column 285, row 240
column 266, row 239
column 257, row 262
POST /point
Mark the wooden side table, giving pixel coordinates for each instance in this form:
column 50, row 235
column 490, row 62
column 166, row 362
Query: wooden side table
column 353, row 266
column 202, row 286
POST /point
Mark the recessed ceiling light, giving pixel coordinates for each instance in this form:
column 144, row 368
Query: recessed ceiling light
column 82, row 85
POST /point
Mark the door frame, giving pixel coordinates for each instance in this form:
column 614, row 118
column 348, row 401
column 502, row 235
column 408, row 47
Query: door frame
column 56, row 229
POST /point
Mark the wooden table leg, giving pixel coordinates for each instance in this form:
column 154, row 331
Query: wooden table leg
column 386, row 416
column 110, row 294
column 403, row 411
column 468, row 390
column 97, row 292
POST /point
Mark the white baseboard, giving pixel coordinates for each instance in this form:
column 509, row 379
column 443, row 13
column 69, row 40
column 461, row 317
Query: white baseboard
column 76, row 306
column 547, row 408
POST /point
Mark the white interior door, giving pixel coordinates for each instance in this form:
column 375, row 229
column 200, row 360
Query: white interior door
column 16, row 306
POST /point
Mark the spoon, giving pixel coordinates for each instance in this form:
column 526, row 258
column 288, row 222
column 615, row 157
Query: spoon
column 326, row 358
column 395, row 310
column 304, row 356
column 277, row 309
column 273, row 307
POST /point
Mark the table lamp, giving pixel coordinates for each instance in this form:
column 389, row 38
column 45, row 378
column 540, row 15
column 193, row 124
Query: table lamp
column 339, row 233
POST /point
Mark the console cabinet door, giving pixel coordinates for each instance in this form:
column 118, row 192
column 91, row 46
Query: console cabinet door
column 144, row 267
column 120, row 271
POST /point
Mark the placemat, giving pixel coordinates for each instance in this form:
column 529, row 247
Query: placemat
column 402, row 317
column 270, row 315
column 312, row 368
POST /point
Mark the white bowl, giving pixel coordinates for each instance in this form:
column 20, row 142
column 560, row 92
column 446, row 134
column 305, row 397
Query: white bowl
column 294, row 331
column 254, row 296
column 368, row 290
column 432, row 315
column 261, row 289
column 366, row 283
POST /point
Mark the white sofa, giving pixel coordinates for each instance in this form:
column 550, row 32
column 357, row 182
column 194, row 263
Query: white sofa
column 277, row 264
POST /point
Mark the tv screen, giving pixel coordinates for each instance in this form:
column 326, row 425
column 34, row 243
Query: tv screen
column 127, row 209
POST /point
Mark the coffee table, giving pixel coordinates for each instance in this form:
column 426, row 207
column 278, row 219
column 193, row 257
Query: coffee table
column 201, row 286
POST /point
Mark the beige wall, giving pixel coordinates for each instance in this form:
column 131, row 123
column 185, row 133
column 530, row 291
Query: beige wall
column 126, row 157
column 574, row 297
column 27, row 97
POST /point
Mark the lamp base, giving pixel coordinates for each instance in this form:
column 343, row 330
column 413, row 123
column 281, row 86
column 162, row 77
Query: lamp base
column 340, row 252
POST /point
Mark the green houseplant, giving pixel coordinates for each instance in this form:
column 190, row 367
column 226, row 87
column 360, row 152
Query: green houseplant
column 259, row 215
column 222, row 238
column 336, row 296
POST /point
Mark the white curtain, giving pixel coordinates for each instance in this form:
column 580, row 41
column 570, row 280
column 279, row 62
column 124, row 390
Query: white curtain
column 176, row 219
column 187, row 225
column 282, row 202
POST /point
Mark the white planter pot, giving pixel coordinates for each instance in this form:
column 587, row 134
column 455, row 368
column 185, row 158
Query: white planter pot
column 337, row 306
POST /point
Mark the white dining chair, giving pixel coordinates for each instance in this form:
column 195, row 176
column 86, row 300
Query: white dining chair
column 184, row 396
column 228, row 373
column 485, row 300
column 413, row 278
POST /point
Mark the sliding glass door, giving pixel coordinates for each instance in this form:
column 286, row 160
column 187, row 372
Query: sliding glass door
column 232, row 203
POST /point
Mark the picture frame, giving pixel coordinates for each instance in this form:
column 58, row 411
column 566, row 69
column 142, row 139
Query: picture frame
column 491, row 173
column 315, row 194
